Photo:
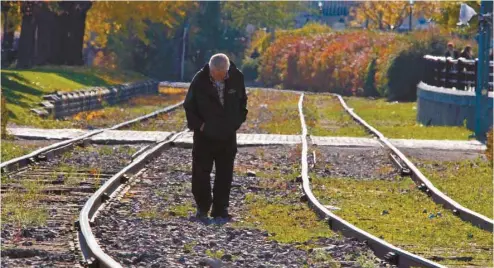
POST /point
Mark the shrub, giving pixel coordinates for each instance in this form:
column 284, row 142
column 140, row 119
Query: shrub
column 249, row 69
column 350, row 62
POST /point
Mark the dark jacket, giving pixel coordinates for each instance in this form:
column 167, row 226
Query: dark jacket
column 202, row 104
column 453, row 54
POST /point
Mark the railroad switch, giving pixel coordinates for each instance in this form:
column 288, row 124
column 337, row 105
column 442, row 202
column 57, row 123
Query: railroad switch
column 392, row 258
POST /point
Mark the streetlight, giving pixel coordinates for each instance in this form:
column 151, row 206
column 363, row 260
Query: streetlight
column 411, row 14
column 320, row 9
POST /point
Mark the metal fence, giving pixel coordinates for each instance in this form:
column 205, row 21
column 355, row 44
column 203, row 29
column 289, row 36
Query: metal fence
column 460, row 74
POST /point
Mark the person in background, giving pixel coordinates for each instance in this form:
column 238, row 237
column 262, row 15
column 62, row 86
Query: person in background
column 467, row 53
column 451, row 51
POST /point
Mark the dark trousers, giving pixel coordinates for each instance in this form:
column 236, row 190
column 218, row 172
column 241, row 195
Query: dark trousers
column 205, row 152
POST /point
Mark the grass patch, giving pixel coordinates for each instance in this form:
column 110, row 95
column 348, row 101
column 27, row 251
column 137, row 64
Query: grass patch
column 287, row 223
column 135, row 107
column 181, row 210
column 391, row 211
column 20, row 207
column 215, row 254
column 398, row 120
column 24, row 89
column 12, row 149
column 326, row 117
column 173, row 121
column 468, row 182
column 272, row 113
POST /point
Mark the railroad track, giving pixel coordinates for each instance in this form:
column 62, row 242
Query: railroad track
column 48, row 196
column 112, row 191
column 99, row 258
column 48, row 187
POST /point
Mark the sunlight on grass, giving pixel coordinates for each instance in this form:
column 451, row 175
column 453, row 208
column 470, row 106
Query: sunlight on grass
column 24, row 89
column 272, row 113
column 325, row 116
column 398, row 120
column 399, row 213
column 21, row 207
column 289, row 223
column 11, row 149
column 468, row 182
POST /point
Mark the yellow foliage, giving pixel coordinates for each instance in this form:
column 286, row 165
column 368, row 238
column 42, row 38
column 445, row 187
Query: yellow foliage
column 390, row 14
column 107, row 17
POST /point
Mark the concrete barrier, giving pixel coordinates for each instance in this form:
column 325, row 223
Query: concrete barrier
column 61, row 104
column 440, row 106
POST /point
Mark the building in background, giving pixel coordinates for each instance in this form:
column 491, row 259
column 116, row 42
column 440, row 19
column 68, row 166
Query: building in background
column 336, row 14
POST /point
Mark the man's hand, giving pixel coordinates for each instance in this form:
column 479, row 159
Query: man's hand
column 202, row 127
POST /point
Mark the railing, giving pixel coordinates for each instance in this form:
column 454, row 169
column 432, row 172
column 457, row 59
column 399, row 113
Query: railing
column 460, row 74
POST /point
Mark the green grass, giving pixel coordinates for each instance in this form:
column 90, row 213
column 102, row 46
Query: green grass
column 398, row 120
column 399, row 213
column 290, row 223
column 20, row 207
column 468, row 182
column 283, row 216
column 24, row 89
column 215, row 254
column 272, row 113
column 11, row 149
column 326, row 117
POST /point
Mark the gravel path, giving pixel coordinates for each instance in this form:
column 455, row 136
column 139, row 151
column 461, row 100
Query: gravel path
column 40, row 204
column 157, row 229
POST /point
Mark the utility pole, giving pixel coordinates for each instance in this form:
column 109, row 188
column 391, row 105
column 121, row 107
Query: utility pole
column 182, row 67
column 411, row 15
column 484, row 39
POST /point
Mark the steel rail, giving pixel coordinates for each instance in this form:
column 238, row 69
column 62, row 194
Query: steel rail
column 381, row 248
column 425, row 185
column 91, row 251
column 49, row 151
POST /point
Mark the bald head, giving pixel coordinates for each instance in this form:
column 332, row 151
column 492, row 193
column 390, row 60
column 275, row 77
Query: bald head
column 218, row 66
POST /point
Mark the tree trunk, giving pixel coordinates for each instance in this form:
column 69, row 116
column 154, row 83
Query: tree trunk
column 26, row 40
column 76, row 24
column 46, row 36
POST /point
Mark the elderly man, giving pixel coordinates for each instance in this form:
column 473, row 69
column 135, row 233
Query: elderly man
column 216, row 107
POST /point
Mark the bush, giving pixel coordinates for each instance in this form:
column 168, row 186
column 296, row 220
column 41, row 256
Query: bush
column 249, row 69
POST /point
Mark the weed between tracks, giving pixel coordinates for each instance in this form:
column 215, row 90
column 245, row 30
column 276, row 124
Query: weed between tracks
column 391, row 211
column 468, row 182
column 12, row 149
column 399, row 120
column 20, row 208
column 325, row 116
column 272, row 113
column 173, row 121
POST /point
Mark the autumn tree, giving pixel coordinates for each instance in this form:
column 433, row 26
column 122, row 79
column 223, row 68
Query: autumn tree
column 388, row 15
column 447, row 16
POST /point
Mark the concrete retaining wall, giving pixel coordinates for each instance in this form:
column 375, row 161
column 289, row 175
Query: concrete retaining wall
column 439, row 106
column 64, row 104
